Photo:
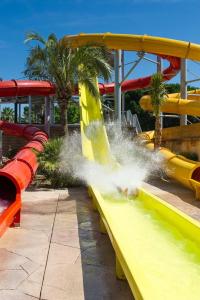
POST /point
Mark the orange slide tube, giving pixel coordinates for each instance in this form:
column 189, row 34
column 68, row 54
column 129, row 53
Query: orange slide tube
column 18, row 173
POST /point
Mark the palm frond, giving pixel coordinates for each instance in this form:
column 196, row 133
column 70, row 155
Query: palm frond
column 34, row 36
column 90, row 83
column 158, row 92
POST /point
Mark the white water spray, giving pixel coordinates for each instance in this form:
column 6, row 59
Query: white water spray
column 135, row 163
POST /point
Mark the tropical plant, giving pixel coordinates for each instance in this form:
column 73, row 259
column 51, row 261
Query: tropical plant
column 49, row 165
column 158, row 96
column 8, row 114
column 73, row 113
column 50, row 59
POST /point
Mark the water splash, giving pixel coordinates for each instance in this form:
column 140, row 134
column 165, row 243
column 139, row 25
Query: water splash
column 134, row 162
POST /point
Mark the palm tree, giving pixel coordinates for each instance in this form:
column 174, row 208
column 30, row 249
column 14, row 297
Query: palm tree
column 7, row 114
column 51, row 60
column 158, row 96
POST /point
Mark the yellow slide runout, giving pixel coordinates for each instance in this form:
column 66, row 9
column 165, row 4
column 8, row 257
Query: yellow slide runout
column 156, row 245
column 145, row 43
column 177, row 167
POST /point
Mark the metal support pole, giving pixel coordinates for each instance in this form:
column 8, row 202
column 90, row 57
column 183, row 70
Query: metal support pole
column 47, row 115
column 123, row 72
column 15, row 116
column 29, row 110
column 183, row 86
column 159, row 70
column 19, row 113
column 117, row 64
column 51, row 110
column 141, row 56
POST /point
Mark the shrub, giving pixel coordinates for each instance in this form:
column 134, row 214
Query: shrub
column 49, row 165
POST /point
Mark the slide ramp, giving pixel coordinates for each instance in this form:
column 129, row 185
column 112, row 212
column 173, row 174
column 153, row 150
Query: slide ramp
column 157, row 246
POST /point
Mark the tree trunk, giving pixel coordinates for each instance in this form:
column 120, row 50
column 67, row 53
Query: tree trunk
column 158, row 133
column 63, row 103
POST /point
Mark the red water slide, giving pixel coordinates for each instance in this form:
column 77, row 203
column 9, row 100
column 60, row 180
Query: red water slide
column 18, row 173
column 140, row 83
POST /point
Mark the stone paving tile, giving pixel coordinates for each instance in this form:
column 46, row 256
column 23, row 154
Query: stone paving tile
column 31, row 288
column 60, row 254
column 52, row 293
column 10, row 279
column 30, row 267
column 66, row 277
column 63, row 223
column 11, row 260
column 37, row 276
column 28, row 243
column 15, row 295
column 71, row 239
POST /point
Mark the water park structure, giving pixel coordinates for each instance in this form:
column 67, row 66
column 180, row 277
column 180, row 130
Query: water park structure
column 156, row 245
column 128, row 236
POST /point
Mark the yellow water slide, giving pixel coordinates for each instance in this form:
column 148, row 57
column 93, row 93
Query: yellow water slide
column 157, row 247
column 178, row 167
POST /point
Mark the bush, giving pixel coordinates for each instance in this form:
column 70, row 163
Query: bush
column 49, row 165
column 12, row 152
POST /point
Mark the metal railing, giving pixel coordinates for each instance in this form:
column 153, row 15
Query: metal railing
column 131, row 121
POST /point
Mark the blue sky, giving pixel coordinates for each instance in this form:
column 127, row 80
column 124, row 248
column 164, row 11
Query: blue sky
column 177, row 19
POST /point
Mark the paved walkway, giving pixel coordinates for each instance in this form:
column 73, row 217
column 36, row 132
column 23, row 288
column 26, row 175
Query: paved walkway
column 58, row 252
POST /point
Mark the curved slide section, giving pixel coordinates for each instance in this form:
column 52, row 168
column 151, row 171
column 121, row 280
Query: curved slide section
column 183, row 170
column 140, row 83
column 18, row 173
column 131, row 42
column 150, row 44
